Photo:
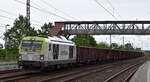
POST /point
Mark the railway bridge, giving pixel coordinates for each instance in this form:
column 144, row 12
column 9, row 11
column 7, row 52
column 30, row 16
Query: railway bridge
column 101, row 28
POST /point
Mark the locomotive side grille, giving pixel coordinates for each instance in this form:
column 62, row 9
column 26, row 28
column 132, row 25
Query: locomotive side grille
column 35, row 57
column 25, row 57
column 31, row 57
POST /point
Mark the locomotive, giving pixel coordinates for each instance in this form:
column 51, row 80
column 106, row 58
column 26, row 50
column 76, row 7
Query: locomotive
column 46, row 51
column 53, row 51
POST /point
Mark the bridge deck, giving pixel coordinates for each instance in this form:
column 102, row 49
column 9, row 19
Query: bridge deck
column 102, row 28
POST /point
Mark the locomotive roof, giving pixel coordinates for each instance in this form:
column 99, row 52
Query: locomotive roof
column 60, row 39
column 53, row 39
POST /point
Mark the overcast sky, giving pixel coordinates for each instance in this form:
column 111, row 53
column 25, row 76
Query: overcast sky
column 82, row 10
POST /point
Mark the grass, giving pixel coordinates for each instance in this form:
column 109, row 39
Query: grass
column 8, row 59
column 12, row 55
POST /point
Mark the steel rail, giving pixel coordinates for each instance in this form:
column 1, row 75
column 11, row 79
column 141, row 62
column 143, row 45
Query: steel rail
column 18, row 76
column 82, row 73
column 130, row 76
column 85, row 72
column 120, row 72
column 10, row 71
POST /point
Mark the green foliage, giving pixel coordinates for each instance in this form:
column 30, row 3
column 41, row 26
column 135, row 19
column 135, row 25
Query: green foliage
column 45, row 29
column 15, row 35
column 114, row 46
column 138, row 49
column 84, row 40
column 87, row 40
column 102, row 45
column 17, row 32
column 121, row 47
column 2, row 54
column 127, row 46
column 1, row 46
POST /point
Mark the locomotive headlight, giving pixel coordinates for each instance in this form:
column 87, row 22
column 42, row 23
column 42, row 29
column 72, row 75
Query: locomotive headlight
column 41, row 57
column 20, row 57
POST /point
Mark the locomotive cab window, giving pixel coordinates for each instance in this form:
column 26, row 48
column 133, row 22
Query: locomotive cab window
column 49, row 47
column 71, row 52
column 26, row 44
column 55, row 51
column 36, row 45
column 31, row 44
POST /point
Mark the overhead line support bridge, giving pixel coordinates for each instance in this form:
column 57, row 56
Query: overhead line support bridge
column 101, row 28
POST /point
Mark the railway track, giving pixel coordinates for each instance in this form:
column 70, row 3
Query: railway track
column 17, row 75
column 76, row 79
column 71, row 77
column 84, row 69
column 121, row 76
column 66, row 75
column 74, row 75
column 10, row 71
column 127, row 79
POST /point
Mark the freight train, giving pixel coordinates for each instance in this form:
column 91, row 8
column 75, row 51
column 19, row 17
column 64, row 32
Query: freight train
column 58, row 51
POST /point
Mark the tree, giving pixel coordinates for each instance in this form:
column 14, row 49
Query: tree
column 138, row 49
column 1, row 46
column 129, row 46
column 114, row 46
column 84, row 40
column 45, row 29
column 102, row 45
column 121, row 47
column 17, row 32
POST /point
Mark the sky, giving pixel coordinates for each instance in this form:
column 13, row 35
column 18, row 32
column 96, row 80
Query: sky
column 44, row 11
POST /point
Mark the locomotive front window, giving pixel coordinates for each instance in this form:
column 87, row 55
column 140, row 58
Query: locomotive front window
column 36, row 45
column 26, row 44
column 31, row 44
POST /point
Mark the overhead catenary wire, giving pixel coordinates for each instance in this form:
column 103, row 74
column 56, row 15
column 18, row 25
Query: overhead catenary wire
column 1, row 36
column 2, row 16
column 105, row 9
column 36, row 25
column 50, row 5
column 2, row 24
column 36, row 21
column 7, row 12
column 10, row 18
column 114, row 9
column 47, row 10
column 13, row 14
column 43, row 10
column 109, row 13
column 36, row 5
